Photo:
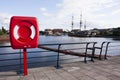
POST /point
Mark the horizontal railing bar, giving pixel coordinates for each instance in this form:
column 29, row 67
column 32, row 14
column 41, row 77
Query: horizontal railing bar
column 5, row 46
column 73, row 49
column 9, row 53
column 22, row 52
column 38, row 62
column 10, row 59
column 66, row 43
column 59, row 43
column 55, row 44
column 30, row 57
column 38, row 51
column 10, row 65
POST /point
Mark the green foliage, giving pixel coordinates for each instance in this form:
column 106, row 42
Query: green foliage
column 116, row 32
column 106, row 33
column 3, row 31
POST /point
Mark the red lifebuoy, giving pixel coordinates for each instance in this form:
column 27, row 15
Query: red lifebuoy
column 24, row 32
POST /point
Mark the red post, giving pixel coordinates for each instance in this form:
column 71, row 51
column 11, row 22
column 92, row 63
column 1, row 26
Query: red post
column 25, row 61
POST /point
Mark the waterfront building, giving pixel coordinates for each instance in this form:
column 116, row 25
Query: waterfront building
column 57, row 32
column 48, row 32
column 54, row 32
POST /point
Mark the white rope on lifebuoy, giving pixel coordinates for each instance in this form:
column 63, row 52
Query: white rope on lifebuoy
column 16, row 32
column 33, row 32
column 16, row 35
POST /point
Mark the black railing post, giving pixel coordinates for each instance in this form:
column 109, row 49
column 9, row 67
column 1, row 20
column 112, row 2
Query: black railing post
column 20, row 71
column 105, row 57
column 58, row 58
column 86, row 53
column 93, row 52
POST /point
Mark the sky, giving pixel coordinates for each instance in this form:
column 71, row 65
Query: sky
column 53, row 14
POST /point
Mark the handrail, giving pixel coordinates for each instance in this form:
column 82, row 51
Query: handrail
column 52, row 56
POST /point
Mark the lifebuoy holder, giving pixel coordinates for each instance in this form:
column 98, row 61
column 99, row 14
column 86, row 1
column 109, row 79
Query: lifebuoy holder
column 24, row 33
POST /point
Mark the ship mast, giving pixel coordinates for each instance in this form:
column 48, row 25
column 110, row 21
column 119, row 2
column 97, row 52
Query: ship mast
column 72, row 23
column 81, row 20
column 85, row 25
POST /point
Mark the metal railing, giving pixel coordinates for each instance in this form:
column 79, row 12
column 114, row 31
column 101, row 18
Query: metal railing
column 40, row 57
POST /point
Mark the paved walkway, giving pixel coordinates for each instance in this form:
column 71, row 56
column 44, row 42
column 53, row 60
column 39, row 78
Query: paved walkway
column 99, row 70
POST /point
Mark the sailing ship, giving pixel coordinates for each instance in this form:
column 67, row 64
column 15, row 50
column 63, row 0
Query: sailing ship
column 79, row 32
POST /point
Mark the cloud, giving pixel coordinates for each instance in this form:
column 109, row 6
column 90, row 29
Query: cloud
column 115, row 12
column 47, row 14
column 94, row 11
column 75, row 6
column 112, row 4
column 5, row 20
column 58, row 4
column 43, row 9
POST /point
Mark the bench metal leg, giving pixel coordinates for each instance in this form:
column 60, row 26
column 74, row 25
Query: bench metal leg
column 100, row 57
column 93, row 52
column 86, row 53
column 105, row 57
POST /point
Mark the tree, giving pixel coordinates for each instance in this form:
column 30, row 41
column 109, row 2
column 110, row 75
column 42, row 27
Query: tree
column 106, row 33
column 1, row 33
column 116, row 32
column 4, row 30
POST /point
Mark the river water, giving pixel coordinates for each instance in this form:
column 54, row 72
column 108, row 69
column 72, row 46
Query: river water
column 66, row 39
column 113, row 50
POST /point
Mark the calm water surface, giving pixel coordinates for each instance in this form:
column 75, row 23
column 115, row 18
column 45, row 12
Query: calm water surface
column 53, row 39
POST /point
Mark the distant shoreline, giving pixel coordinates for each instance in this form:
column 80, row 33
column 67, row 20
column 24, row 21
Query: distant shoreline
column 4, row 38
